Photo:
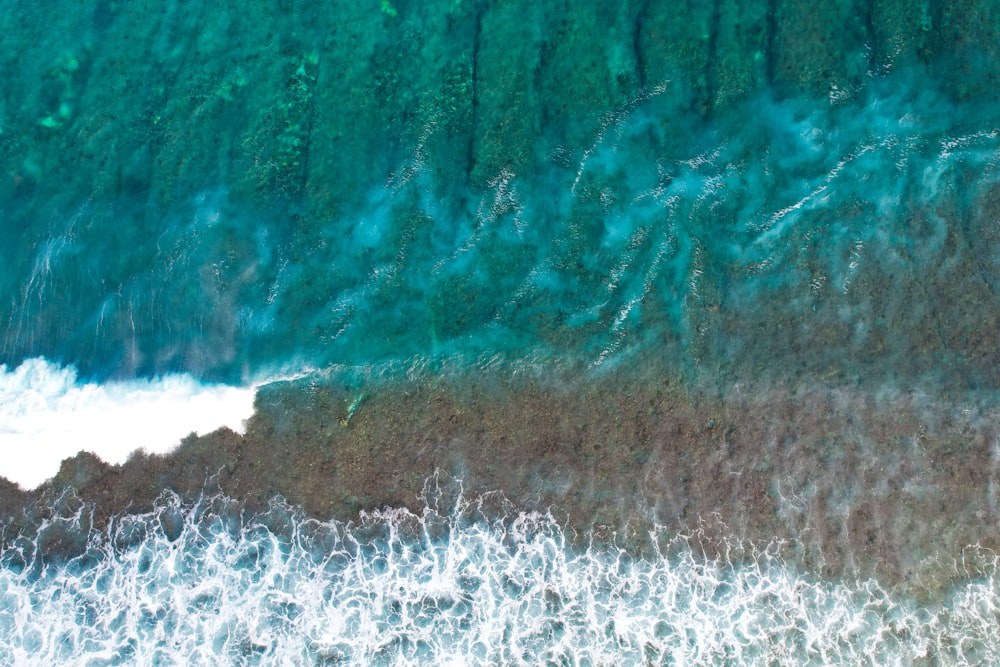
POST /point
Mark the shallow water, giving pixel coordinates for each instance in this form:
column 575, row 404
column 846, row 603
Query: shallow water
column 663, row 262
column 198, row 584
column 734, row 242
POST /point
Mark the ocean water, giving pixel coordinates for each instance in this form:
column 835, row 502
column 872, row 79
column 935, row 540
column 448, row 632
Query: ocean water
column 640, row 228
column 198, row 202
column 479, row 583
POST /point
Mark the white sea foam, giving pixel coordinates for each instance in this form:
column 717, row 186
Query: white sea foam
column 204, row 585
column 47, row 415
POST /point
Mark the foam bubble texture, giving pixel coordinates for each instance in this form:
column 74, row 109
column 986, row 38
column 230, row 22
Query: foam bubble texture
column 205, row 585
column 44, row 409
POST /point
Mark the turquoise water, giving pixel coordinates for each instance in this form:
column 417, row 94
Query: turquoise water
column 778, row 224
column 220, row 206
column 714, row 194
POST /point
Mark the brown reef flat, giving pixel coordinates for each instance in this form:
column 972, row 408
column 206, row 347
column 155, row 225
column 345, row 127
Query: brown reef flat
column 852, row 482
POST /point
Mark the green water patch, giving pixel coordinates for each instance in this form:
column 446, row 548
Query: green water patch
column 224, row 192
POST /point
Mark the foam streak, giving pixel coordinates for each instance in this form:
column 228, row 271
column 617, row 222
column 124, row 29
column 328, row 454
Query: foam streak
column 404, row 589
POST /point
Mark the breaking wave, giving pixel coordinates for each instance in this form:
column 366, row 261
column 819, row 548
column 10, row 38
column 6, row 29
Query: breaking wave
column 464, row 582
column 46, row 409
